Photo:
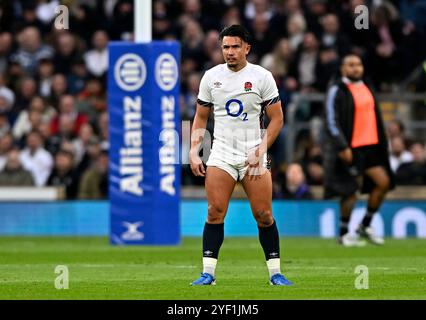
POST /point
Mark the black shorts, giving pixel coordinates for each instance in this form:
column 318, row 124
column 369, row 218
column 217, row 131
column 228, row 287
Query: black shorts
column 367, row 157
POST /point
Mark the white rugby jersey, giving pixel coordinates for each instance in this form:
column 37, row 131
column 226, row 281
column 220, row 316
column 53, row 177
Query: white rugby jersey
column 238, row 100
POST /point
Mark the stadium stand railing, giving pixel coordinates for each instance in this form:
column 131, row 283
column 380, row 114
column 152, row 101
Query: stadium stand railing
column 14, row 194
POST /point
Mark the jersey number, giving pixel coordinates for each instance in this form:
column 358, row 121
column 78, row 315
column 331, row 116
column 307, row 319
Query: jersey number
column 240, row 109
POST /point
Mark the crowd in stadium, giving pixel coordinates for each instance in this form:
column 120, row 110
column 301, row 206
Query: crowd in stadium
column 53, row 99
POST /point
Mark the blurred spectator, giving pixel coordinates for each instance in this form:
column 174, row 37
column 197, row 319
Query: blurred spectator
column 395, row 128
column 327, row 67
column 68, row 145
column 81, row 143
column 305, row 63
column 31, row 50
column 258, row 8
column 331, row 36
column 190, row 98
column 44, row 129
column 34, row 120
column 189, row 66
column 64, row 175
column 293, row 186
column 315, row 11
column 285, row 11
column 6, row 144
column 25, row 122
column 231, row 16
column 6, row 41
column 211, row 44
column 92, row 99
column 296, row 27
column 192, row 42
column 192, row 9
column 312, row 165
column 263, row 38
column 67, row 107
column 162, row 25
column 97, row 58
column 279, row 60
column 413, row 173
column 387, row 33
column 67, row 51
column 215, row 58
column 7, row 99
column 66, row 133
column 59, row 88
column 102, row 128
column 13, row 173
column 4, row 124
column 84, row 20
column 90, row 155
column 45, row 73
column 29, row 17
column 36, row 159
column 27, row 90
column 78, row 76
column 121, row 24
column 94, row 182
column 398, row 153
column 14, row 75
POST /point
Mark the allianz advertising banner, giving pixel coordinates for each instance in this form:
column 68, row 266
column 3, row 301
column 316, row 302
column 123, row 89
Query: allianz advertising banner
column 143, row 88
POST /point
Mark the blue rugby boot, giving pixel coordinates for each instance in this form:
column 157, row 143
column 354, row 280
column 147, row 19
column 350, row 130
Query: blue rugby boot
column 206, row 279
column 279, row 280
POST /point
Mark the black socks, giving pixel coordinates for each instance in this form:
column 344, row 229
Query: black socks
column 270, row 241
column 344, row 223
column 212, row 240
column 368, row 216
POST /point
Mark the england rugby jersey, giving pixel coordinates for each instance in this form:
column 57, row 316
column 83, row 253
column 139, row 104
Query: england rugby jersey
column 238, row 100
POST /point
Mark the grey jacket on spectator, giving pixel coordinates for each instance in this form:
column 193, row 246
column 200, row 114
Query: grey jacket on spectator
column 19, row 177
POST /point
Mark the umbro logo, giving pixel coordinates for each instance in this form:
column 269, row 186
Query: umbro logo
column 217, row 84
column 208, row 253
column 273, row 254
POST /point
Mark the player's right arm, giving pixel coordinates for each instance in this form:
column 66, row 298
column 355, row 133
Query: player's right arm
column 204, row 105
column 197, row 136
column 332, row 124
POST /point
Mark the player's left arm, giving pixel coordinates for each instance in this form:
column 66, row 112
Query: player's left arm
column 272, row 106
column 276, row 121
column 255, row 159
column 273, row 109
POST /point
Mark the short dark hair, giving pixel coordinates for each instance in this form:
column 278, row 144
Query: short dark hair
column 236, row 30
column 342, row 62
column 66, row 153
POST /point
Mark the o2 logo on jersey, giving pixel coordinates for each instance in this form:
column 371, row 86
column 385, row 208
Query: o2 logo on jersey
column 130, row 72
column 231, row 108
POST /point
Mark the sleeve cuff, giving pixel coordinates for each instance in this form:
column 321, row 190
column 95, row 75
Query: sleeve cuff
column 271, row 101
column 204, row 103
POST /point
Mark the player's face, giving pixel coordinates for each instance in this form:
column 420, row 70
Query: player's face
column 352, row 68
column 234, row 52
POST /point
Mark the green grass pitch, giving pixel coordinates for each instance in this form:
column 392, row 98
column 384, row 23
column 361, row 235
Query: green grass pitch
column 319, row 268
